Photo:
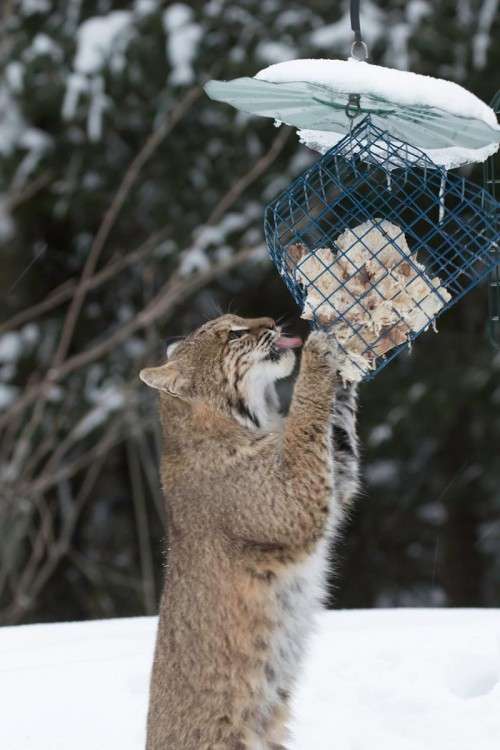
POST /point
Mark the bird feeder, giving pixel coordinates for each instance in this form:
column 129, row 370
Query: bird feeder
column 492, row 185
column 378, row 238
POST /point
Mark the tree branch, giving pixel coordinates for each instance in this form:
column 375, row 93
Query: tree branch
column 155, row 139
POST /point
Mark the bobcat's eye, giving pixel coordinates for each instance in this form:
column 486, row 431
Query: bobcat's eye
column 237, row 334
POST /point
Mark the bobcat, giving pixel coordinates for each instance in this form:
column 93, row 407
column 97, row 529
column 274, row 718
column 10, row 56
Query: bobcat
column 252, row 501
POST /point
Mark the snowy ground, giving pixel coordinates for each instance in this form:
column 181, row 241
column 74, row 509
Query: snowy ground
column 378, row 680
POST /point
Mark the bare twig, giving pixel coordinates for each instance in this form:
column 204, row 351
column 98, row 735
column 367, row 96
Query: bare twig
column 34, row 576
column 98, row 573
column 171, row 294
column 260, row 166
column 155, row 139
column 57, row 297
column 49, row 543
column 141, row 520
column 18, row 197
column 151, row 471
column 6, row 10
column 142, row 319
column 71, row 468
column 66, row 290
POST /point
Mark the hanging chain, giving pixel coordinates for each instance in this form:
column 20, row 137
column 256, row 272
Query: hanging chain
column 359, row 50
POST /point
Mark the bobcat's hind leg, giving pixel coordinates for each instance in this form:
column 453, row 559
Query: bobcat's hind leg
column 277, row 733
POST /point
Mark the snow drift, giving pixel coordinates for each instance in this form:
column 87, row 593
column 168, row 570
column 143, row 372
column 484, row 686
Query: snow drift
column 374, row 680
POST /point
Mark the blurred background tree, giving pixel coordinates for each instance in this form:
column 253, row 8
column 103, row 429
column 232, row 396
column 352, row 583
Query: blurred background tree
column 130, row 211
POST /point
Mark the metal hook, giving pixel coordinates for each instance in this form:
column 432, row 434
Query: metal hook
column 359, row 50
column 353, row 106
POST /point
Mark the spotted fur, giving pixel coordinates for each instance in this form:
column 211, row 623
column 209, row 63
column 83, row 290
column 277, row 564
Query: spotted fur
column 345, row 443
column 253, row 500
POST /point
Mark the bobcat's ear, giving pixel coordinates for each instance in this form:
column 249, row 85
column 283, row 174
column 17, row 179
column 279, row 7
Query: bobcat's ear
column 166, row 378
column 172, row 347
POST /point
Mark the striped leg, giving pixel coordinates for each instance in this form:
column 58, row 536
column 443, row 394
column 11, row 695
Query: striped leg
column 345, row 444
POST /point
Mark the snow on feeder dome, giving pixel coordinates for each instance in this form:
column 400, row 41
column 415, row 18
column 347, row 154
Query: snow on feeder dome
column 377, row 238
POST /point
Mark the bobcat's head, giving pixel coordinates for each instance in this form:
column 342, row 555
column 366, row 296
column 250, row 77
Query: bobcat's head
column 231, row 362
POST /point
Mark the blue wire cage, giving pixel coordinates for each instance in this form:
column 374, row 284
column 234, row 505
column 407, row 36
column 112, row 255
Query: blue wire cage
column 370, row 178
column 491, row 181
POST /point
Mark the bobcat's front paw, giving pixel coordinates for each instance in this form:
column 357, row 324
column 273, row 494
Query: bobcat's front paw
column 320, row 349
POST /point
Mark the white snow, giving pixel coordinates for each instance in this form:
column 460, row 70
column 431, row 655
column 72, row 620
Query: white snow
column 398, row 86
column 380, row 434
column 382, row 679
column 97, row 106
column 14, row 76
column 43, row 45
column 10, row 347
column 6, row 220
column 403, row 87
column 30, row 7
column 398, row 52
column 76, row 85
column 402, row 680
column 482, row 38
column 17, row 135
column 195, row 258
column 145, row 7
column 7, row 395
column 383, row 471
column 35, row 142
column 273, row 52
column 106, row 401
column 14, row 132
column 100, row 38
column 416, row 10
column 183, row 36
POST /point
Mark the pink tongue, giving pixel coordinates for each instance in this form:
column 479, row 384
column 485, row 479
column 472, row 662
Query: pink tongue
column 288, row 342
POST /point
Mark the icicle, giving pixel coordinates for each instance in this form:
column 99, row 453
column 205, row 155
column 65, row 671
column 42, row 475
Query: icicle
column 306, row 196
column 410, row 345
column 323, row 191
column 98, row 104
column 337, row 169
column 389, row 181
column 434, row 326
column 442, row 188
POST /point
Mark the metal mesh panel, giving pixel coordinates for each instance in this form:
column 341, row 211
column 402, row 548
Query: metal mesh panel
column 491, row 176
column 371, row 177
